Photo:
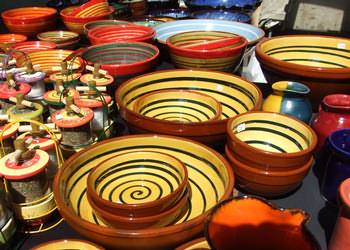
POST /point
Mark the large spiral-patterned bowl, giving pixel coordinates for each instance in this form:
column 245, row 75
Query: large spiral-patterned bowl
column 137, row 184
column 210, row 177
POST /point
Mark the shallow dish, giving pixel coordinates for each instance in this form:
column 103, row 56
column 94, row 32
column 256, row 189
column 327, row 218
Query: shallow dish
column 6, row 40
column 235, row 95
column 210, row 177
column 33, row 46
column 64, row 39
column 29, row 20
column 222, row 15
column 68, row 244
column 320, row 62
column 89, row 26
column 250, row 32
column 122, row 58
column 137, row 184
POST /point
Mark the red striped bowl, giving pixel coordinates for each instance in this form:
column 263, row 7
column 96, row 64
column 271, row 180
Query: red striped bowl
column 123, row 58
column 29, row 20
column 6, row 40
column 123, row 33
column 91, row 8
column 210, row 50
column 62, row 38
column 33, row 46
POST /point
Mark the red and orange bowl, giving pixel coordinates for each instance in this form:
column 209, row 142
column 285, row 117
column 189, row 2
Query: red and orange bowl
column 91, row 8
column 29, row 20
column 33, row 46
column 121, row 33
column 76, row 24
column 64, row 39
column 6, row 40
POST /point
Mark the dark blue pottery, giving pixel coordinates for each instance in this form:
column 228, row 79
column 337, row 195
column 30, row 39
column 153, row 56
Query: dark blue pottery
column 337, row 166
column 222, row 15
column 221, row 4
column 173, row 13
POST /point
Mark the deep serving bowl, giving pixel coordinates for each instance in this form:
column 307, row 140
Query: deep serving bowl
column 176, row 107
column 210, row 177
column 209, row 50
column 76, row 24
column 89, row 26
column 121, row 33
column 33, row 46
column 122, row 58
column 235, row 95
column 29, row 20
column 137, row 184
column 6, row 40
column 320, row 62
column 68, row 244
column 64, row 39
column 250, row 32
column 221, row 4
column 268, row 140
column 221, row 15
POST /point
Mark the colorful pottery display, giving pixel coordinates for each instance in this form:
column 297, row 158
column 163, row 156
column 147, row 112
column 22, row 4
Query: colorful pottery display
column 122, row 58
column 120, row 33
column 62, row 38
column 206, row 50
column 289, row 98
column 173, row 13
column 337, row 165
column 221, row 15
column 33, row 46
column 333, row 114
column 89, row 26
column 320, row 62
column 235, row 95
column 221, row 4
column 272, row 227
column 68, row 243
column 6, row 40
column 210, row 177
column 250, row 32
column 29, row 20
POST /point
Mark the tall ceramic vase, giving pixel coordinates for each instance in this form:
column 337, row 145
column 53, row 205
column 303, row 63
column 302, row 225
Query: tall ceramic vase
column 289, row 98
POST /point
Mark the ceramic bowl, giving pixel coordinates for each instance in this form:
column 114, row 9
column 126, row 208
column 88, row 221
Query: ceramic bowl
column 6, row 40
column 121, row 33
column 268, row 140
column 29, row 20
column 320, row 62
column 210, row 178
column 137, row 184
column 221, row 4
column 221, row 15
column 196, row 244
column 50, row 58
column 76, row 24
column 250, row 32
column 176, row 107
column 89, row 26
column 269, row 182
column 235, row 95
column 148, row 21
column 173, row 13
column 208, row 50
column 33, row 46
column 122, row 58
column 76, row 244
column 64, row 39
column 91, row 8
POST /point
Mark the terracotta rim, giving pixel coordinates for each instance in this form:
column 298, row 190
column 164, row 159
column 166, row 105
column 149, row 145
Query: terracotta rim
column 82, row 20
column 191, row 243
column 74, row 36
column 33, row 46
column 67, row 211
column 344, row 191
column 308, row 150
column 68, row 239
column 6, row 17
column 328, row 103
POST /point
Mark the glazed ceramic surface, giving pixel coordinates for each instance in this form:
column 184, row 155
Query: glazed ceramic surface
column 89, row 26
column 334, row 114
column 273, row 139
column 6, row 40
column 289, row 98
column 33, row 46
column 220, row 4
column 64, row 39
column 29, row 20
column 178, row 106
column 122, row 58
column 271, row 227
column 68, row 243
column 210, row 177
column 235, row 95
column 173, row 13
column 165, row 30
column 206, row 50
column 322, row 63
column 197, row 244
column 222, row 15
column 91, row 8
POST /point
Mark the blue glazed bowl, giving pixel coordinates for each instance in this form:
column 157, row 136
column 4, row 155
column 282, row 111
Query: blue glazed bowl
column 250, row 32
column 221, row 4
column 221, row 15
column 173, row 13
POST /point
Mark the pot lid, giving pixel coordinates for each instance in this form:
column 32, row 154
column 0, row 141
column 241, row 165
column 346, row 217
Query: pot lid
column 94, row 102
column 27, row 113
column 30, row 78
column 9, row 131
column 65, row 78
column 103, row 81
column 53, row 98
column 44, row 142
column 22, row 170
column 6, row 92
column 64, row 120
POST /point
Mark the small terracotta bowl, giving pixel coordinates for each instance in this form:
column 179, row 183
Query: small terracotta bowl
column 267, row 183
column 120, row 33
column 122, row 58
column 76, row 24
column 235, row 95
column 6, row 40
column 29, row 20
column 137, row 184
column 89, row 26
column 178, row 107
column 33, row 46
column 211, row 50
column 68, row 244
column 267, row 140
column 64, row 39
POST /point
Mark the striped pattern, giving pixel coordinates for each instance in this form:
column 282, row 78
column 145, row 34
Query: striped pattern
column 58, row 36
column 208, row 174
column 93, row 8
column 235, row 95
column 178, row 106
column 273, row 133
column 12, row 38
column 33, row 46
column 321, row 52
column 89, row 26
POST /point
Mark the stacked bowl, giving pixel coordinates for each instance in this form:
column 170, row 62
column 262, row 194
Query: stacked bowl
column 270, row 153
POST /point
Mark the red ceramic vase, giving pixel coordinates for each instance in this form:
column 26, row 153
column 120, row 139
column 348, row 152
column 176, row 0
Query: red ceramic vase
column 334, row 114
